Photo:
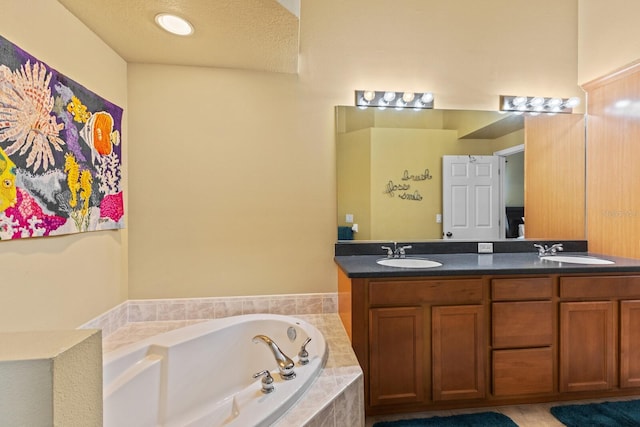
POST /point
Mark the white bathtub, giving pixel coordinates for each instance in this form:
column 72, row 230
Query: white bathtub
column 202, row 375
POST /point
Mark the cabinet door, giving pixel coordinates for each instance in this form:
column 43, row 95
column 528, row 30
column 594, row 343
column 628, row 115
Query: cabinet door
column 458, row 347
column 587, row 347
column 629, row 344
column 396, row 355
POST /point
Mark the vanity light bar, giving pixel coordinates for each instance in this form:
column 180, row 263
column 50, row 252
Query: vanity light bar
column 538, row 104
column 397, row 100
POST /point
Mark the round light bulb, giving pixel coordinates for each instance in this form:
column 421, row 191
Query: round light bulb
column 519, row 100
column 174, row 24
column 554, row 103
column 537, row 101
column 389, row 96
column 368, row 95
column 408, row 97
column 426, row 98
column 574, row 101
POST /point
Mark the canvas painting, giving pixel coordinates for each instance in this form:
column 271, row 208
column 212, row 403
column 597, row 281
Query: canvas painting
column 60, row 152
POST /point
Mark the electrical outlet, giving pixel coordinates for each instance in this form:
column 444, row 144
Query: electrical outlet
column 348, row 218
column 439, row 218
column 485, row 248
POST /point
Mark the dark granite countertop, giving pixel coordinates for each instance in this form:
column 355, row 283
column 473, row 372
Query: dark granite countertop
column 473, row 264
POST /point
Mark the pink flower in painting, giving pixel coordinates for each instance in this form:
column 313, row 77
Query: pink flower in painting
column 26, row 210
column 111, row 207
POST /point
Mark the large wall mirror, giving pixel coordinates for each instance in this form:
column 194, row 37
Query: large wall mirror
column 390, row 169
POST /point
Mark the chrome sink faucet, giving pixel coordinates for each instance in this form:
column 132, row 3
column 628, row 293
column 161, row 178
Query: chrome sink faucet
column 285, row 364
column 396, row 252
column 549, row 250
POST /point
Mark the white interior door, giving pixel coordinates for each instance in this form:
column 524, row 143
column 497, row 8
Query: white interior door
column 471, row 197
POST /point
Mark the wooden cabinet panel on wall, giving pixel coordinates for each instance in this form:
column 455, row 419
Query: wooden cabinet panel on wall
column 559, row 142
column 458, row 348
column 396, row 355
column 629, row 344
column 612, row 156
column 587, row 346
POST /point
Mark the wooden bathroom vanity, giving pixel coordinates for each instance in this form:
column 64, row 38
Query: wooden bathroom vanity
column 487, row 330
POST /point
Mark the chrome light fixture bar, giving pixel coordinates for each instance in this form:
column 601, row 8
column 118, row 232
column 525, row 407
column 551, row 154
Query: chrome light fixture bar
column 538, row 104
column 397, row 100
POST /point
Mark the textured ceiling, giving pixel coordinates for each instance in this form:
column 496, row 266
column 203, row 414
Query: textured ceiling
column 245, row 34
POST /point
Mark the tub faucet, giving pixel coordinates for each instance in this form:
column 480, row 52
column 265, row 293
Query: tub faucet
column 546, row 250
column 285, row 364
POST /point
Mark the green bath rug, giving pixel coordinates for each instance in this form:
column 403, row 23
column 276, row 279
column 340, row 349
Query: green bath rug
column 614, row 414
column 482, row 419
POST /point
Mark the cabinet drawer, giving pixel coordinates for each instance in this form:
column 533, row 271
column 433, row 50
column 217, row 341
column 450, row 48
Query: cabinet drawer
column 526, row 371
column 526, row 288
column 436, row 291
column 600, row 287
column 522, row 324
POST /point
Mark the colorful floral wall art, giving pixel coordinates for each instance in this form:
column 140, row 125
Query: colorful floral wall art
column 60, row 152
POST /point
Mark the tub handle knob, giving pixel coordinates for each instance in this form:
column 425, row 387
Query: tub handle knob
column 267, row 381
column 304, row 354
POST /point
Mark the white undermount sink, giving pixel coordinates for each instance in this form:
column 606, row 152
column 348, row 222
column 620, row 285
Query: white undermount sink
column 577, row 259
column 408, row 262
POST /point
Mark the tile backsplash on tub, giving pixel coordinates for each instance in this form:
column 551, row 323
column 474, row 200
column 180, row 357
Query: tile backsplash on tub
column 211, row 308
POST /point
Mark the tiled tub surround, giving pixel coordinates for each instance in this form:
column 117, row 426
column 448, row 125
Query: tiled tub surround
column 335, row 399
column 210, row 308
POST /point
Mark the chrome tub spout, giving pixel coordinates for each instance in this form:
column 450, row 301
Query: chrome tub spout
column 285, row 364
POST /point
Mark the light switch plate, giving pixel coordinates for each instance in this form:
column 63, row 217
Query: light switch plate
column 485, row 248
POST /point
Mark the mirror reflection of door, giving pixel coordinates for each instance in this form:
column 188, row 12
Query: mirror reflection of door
column 471, row 196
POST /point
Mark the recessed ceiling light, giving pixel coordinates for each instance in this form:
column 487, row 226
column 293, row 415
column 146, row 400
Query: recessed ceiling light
column 174, row 24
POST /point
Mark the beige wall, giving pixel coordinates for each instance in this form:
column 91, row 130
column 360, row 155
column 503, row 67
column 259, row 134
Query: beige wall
column 61, row 282
column 609, row 37
column 51, row 378
column 233, row 173
column 353, row 186
column 414, row 150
